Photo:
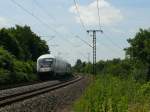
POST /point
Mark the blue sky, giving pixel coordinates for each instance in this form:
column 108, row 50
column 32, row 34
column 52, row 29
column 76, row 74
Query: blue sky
column 120, row 20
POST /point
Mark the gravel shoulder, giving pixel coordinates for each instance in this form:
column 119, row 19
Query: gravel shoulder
column 59, row 100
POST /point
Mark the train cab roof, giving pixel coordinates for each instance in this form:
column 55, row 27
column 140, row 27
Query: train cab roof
column 46, row 56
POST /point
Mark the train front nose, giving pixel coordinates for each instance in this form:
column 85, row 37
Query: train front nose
column 46, row 65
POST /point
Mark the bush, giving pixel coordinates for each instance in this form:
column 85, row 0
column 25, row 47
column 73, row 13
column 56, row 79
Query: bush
column 15, row 71
column 6, row 59
column 140, row 72
column 26, row 67
column 112, row 94
column 24, row 71
column 4, row 76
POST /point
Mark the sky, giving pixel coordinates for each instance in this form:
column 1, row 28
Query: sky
column 59, row 23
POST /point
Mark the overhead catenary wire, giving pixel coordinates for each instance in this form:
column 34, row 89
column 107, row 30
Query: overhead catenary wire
column 83, row 26
column 82, row 23
column 107, row 37
column 52, row 17
column 35, row 17
column 43, row 9
column 80, row 18
column 38, row 19
column 110, row 49
column 48, row 14
column 115, row 44
column 84, row 41
column 98, row 8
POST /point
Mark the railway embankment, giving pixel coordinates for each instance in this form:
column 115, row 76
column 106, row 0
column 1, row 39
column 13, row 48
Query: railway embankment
column 59, row 100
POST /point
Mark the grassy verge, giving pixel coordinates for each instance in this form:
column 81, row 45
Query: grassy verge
column 113, row 94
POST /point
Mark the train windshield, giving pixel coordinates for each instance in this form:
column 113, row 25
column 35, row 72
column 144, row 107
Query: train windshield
column 47, row 62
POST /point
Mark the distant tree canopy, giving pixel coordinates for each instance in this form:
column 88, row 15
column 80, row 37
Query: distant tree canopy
column 116, row 67
column 22, row 43
column 78, row 65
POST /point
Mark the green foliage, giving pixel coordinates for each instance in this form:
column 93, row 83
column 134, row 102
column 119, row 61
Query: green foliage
column 9, row 43
column 127, row 88
column 140, row 46
column 19, row 49
column 6, row 59
column 136, row 63
column 24, row 71
column 23, row 43
column 4, row 76
column 15, row 71
column 139, row 52
column 87, row 68
column 117, row 67
column 26, row 67
column 79, row 66
column 112, row 94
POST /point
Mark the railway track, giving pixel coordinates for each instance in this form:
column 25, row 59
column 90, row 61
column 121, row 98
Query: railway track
column 10, row 99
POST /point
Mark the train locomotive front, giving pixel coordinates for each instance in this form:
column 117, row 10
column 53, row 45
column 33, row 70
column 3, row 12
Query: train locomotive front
column 49, row 66
column 45, row 66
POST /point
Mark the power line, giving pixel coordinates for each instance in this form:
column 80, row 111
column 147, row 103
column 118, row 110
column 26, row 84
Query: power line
column 38, row 19
column 81, row 21
column 35, row 17
column 84, row 41
column 98, row 7
column 110, row 49
column 108, row 38
column 43, row 9
column 52, row 17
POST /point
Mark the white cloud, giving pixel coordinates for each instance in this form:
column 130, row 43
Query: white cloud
column 89, row 13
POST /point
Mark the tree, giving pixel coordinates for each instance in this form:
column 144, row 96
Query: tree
column 78, row 65
column 10, row 43
column 23, row 43
column 6, row 59
column 139, row 50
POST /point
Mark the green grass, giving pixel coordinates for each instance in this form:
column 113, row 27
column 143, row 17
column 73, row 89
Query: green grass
column 113, row 94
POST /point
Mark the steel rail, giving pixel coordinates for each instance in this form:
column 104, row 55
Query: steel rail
column 7, row 100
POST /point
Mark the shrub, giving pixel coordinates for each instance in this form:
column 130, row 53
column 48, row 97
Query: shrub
column 24, row 71
column 112, row 94
column 4, row 76
column 6, row 59
column 15, row 71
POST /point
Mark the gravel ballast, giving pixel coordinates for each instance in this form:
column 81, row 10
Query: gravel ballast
column 59, row 100
column 7, row 92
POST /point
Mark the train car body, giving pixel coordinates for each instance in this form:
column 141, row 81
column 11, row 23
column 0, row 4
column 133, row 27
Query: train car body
column 49, row 65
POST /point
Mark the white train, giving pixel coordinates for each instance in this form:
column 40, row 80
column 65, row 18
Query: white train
column 48, row 65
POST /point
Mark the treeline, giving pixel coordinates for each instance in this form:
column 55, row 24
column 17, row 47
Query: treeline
column 136, row 63
column 19, row 49
column 116, row 66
